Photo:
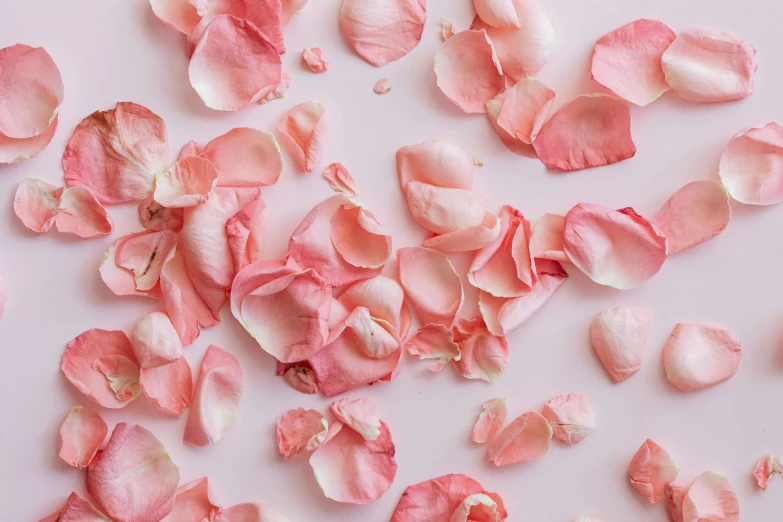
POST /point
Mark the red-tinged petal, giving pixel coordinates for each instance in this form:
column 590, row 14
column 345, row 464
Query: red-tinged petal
column 589, row 131
column 193, row 503
column 382, row 86
column 251, row 512
column 134, row 478
column 382, row 31
column 497, row 13
column 618, row 336
column 651, row 471
column 438, row 163
column 303, row 131
column 381, row 296
column 340, row 179
column 144, row 255
column 179, row 14
column 468, row 70
column 353, row 470
column 245, row 233
column 627, row 61
column 443, row 210
column 300, row 377
column 434, row 342
column 617, row 248
column 547, row 239
column 675, row 497
column 431, row 284
column 117, row 153
column 16, row 150
column 361, row 415
column 35, row 204
column 155, row 216
column 155, row 341
column 300, row 431
column 526, row 107
column 80, row 213
column 186, row 183
column 751, row 167
column 483, row 355
column 81, row 434
column 571, row 416
column 245, row 157
column 31, row 90
column 215, row 397
column 186, row 309
column 169, row 387
column 705, row 65
column 314, row 59
column 290, row 9
column 467, row 240
column 77, row 509
column 697, row 356
column 477, row 508
column 233, row 64
column 526, row 438
column 490, row 420
column 359, row 238
column 493, row 108
column 446, row 29
column 87, row 364
column 710, row 498
column 766, row 467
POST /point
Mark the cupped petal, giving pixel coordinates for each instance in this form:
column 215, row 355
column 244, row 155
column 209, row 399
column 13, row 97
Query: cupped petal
column 651, row 470
column 81, row 213
column 571, row 416
column 155, row 341
column 526, row 438
column 340, row 179
column 477, row 508
column 361, row 415
column 36, row 203
column 497, row 13
column 472, row 238
column 483, row 354
column 182, row 15
column 313, row 58
column 751, row 167
column 431, row 284
column 16, row 150
column 490, row 420
column 675, row 497
column 711, row 497
column 81, row 435
column 191, row 148
column 382, row 86
column 155, row 216
column 381, row 296
column 120, row 280
column 300, row 377
column 547, row 239
column 245, row 233
column 377, row 338
column 300, row 431
column 697, row 356
column 443, row 210
column 77, row 509
column 618, row 336
column 169, row 387
column 434, row 342
column 186, row 183
column 359, row 238
column 435, row 162
column 143, row 255
column 493, row 108
column 765, row 468
column 526, row 107
column 435, row 500
column 193, row 502
column 245, row 157
column 303, row 130
column 122, row 375
column 266, row 15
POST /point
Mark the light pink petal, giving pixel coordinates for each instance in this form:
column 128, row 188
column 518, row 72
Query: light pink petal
column 359, row 238
column 589, row 131
column 155, row 216
column 35, row 204
column 313, row 58
column 290, row 9
column 251, row 512
column 353, row 470
column 377, row 338
column 179, row 14
column 266, row 15
column 381, row 296
column 751, row 167
column 77, row 509
column 233, row 64
column 16, row 150
column 526, row 438
column 447, row 29
column 493, row 108
column 245, row 157
column 245, row 233
column 497, row 13
column 527, row 106
column 651, row 471
column 361, row 415
column 144, row 255
column 766, row 467
column 627, row 60
column 711, row 498
column 571, row 416
column 617, row 248
column 435, row 500
column 186, row 183
column 382, row 86
column 340, row 180
column 300, row 431
column 675, row 497
column 117, row 153
column 134, row 478
column 120, row 280
column 31, row 90
column 466, row 240
column 169, row 387
column 547, row 239
column 303, row 131
column 477, row 508
column 80, row 213
column 697, row 356
column 81, row 434
column 155, row 341
column 431, row 284
column 278, row 91
column 382, row 31
column 443, row 210
column 87, row 364
column 483, row 355
column 705, row 65
column 438, row 163
column 193, row 502
column 300, row 377
column 490, row 420
column 434, row 342
column 618, row 336
column 468, row 70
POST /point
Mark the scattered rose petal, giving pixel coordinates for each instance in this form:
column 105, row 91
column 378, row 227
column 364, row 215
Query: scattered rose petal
column 589, row 131
column 431, row 284
column 705, row 65
column 300, row 377
column 266, row 15
column 182, row 15
column 617, row 248
column 81, row 434
column 627, row 61
column 445, row 210
column 571, row 416
column 245, row 157
column 35, row 204
column 435, row 162
column 468, row 71
column 117, row 153
column 77, row 509
column 497, row 13
column 483, row 355
column 651, row 471
column 359, row 238
column 618, row 336
column 377, row 338
column 517, row 146
column 155, row 216
column 169, row 387
column 340, row 180
column 381, row 296
column 251, row 512
column 121, row 281
column 215, row 397
column 711, row 497
column 313, row 57
column 122, row 375
column 186, row 183
column 697, row 356
column 765, row 468
column 361, row 415
column 155, row 341
column 143, row 256
column 303, row 131
column 193, row 502
column 14, row 150
column 446, row 29
column 472, row 238
column 80, row 213
column 675, row 496
column 278, row 92
column 299, row 431
column 185, row 307
column 477, row 508
column 526, row 107
column 526, row 438
column 491, row 419
column 434, row 341
column 382, row 86
column 750, row 167
column 547, row 239
column 290, row 9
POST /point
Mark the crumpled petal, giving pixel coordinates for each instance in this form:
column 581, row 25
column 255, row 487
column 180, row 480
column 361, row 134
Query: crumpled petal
column 497, row 13
column 121, row 280
column 87, row 364
column 245, row 157
column 216, row 397
column 711, row 498
column 353, row 470
column 381, row 296
column 314, row 59
column 617, row 248
column 483, row 355
column 751, row 167
column 303, row 131
column 434, row 341
column 477, row 508
column 696, row 213
column 81, row 435
column 251, row 512
column 382, row 86
column 182, row 15
column 117, row 153
column 765, row 468
column 186, row 183
column 155, row 341
column 340, row 179
column 80, row 213
column 245, row 233
column 16, row 150
column 290, row 9
column 627, row 61
column 382, row 31
column 155, row 216
column 444, row 210
column 589, row 131
column 571, row 416
column 651, row 471
column 547, row 239
column 431, row 284
column 468, row 70
column 300, row 377
column 491, row 419
column 378, row 339
column 526, row 107
column 143, row 255
column 526, row 438
column 186, row 309
column 35, row 204
column 169, row 387
column 469, row 239
column 299, row 431
column 435, row 162
column 361, row 415
column 193, row 502
column 279, row 90
column 705, row 65
column 618, row 336
column 675, row 497
column 697, row 356
column 77, row 509
column 359, row 238
column 493, row 108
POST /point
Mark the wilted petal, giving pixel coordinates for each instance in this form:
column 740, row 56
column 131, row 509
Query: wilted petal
column 359, row 238
column 340, row 180
column 765, row 468
column 16, row 150
column 303, row 131
column 81, row 434
column 434, row 341
column 185, row 307
column 155, row 216
column 299, row 431
column 497, row 13
column 438, row 163
column 675, row 497
column 751, row 167
column 517, row 146
column 526, row 107
column 571, row 416
column 477, row 508
column 245, row 157
column 490, row 420
column 466, row 240
column 193, row 502
column 526, row 438
column 431, row 284
column 80, row 213
column 144, row 255
column 314, row 59
column 547, row 239
column 710, row 498
column 35, row 204
column 361, row 415
column 266, row 15
column 186, row 183
column 383, row 297
column 443, row 210
column 618, row 336
column 651, row 470
column 169, row 387
column 697, row 356
column 382, row 86
column 483, row 355
column 121, row 281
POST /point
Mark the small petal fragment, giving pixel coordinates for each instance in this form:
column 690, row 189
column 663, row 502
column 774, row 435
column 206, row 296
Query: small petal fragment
column 437, row 499
column 193, row 502
column 766, row 467
column 651, row 471
column 491, row 419
column 526, row 438
column 751, row 167
column 35, row 204
column 497, row 13
column 382, row 86
column 186, row 183
column 81, row 434
column 182, row 15
column 446, row 29
column 361, row 415
column 437, row 163
column 431, row 284
column 155, row 341
column 477, row 508
column 299, row 431
column 80, row 213
column 303, row 131
column 618, row 336
column 483, row 355
column 16, row 150
column 169, row 387
column 675, row 497
column 527, row 106
column 434, row 341
column 313, row 57
column 571, row 416
column 359, row 238
column 697, row 356
column 547, row 239
column 155, row 216
column 340, row 180
column 711, row 498
column 77, row 509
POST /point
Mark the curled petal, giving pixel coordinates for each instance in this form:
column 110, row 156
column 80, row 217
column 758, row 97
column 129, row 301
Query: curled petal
column 245, row 157
column 81, row 434
column 446, row 29
column 77, row 509
column 697, row 356
column 627, row 60
column 186, row 309
column 193, row 502
column 711, row 497
column 434, row 341
column 617, row 248
column 144, row 255
column 705, row 65
column 435, row 500
column 122, row 375
column 618, row 336
column 526, row 438
column 300, row 377
column 299, row 431
column 215, row 397
column 377, row 338
column 16, row 150
column 361, row 415
column 483, row 355
column 651, row 470
column 35, row 204
column 155, row 341
column 765, row 467
column 431, row 284
column 182, row 15
column 382, row 86
column 571, row 416
column 443, row 210
column 359, row 238
column 751, row 167
column 466, row 240
column 186, row 183
column 491, row 419
column 477, row 508
column 155, row 216
column 381, row 296
column 547, row 239
column 245, row 232
column 340, row 180
column 278, row 91
column 497, row 13
column 438, row 163
column 313, row 57
column 82, row 214
column 527, row 106
column 120, row 280
column 169, row 387
column 303, row 131
column 675, row 497
column 515, row 145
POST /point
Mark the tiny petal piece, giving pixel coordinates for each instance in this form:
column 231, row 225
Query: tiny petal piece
column 340, row 179
column 361, row 415
column 469, row 239
column 697, row 356
column 313, row 57
column 766, row 467
column 80, row 213
column 547, row 239
column 436, row 500
column 483, row 355
column 155, row 216
column 381, row 296
column 434, row 341
column 446, row 29
column 435, row 162
column 169, row 387
column 497, row 13
column 571, row 416
column 382, row 86
column 182, row 15
column 431, row 284
column 651, row 471
column 526, row 438
column 193, row 502
column 81, row 435
column 155, row 341
column 16, row 150
column 359, row 238
column 299, row 431
column 491, row 419
column 618, row 336
column 186, row 183
column 35, row 204
column 711, row 498
column 303, row 131
column 527, row 106
column 751, row 167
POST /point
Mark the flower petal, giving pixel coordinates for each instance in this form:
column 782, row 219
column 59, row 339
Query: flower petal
column 378, row 339
column 77, row 509
column 81, row 434
column 618, row 336
column 35, row 204
column 434, row 341
column 169, row 387
column 300, row 377
column 313, row 58
column 431, row 284
column 193, row 502
column 278, row 91
column 467, row 240
column 491, row 419
column 144, row 255
column 340, row 179
column 497, row 13
column 493, row 108
column 182, row 15
column 245, row 233
column 299, row 431
column 290, row 9
column 526, row 438
column 766, row 467
column 245, row 157
column 526, row 107
column 359, row 238
column 447, row 29
column 155, row 341
column 382, row 86
column 477, row 508
column 121, row 281
column 697, row 356
column 16, row 150
column 483, row 355
column 547, row 239
column 361, row 415
column 443, row 210
column 80, row 213
column 751, row 167
column 711, row 497
column 438, row 163
column 382, row 296
column 155, row 216
column 186, row 183
column 675, row 497
column 571, row 416
column 303, row 131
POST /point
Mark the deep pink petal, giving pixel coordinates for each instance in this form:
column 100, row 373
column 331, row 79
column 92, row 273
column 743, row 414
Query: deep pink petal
column 751, row 167
column 547, row 239
column 431, row 284
column 359, row 238
column 300, row 431
column 155, row 216
column 35, row 204
column 361, row 415
column 81, row 435
column 186, row 183
column 526, row 107
column 304, row 131
column 697, row 356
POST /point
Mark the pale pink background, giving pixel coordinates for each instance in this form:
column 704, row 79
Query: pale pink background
column 112, row 50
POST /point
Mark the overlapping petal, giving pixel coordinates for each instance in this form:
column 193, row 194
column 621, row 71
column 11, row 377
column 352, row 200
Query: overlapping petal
column 361, row 415
column 186, row 183
column 483, row 354
column 547, row 239
column 381, row 296
column 571, row 416
column 526, row 438
column 36, row 203
column 618, row 336
column 697, row 356
column 81, row 435
column 142, row 256
column 497, row 13
column 431, row 284
column 182, row 15
column 493, row 108
column 299, row 431
column 711, row 497
column 751, row 167
column 469, row 239
column 444, row 210
column 77, row 509
column 155, row 341
column 526, row 107
column 340, row 179
column 490, row 420
column 437, row 499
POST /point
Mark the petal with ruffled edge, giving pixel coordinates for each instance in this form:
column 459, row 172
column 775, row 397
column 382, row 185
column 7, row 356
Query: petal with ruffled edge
column 547, row 239
column 697, row 356
column 340, row 179
column 155, row 216
column 493, row 108
column 313, row 58
column 431, row 284
column 81, row 213
column 483, row 355
column 766, row 467
column 571, row 416
column 303, row 131
column 143, row 256
column 35, row 204
column 751, row 167
column 300, row 431
column 81, row 434
column 490, row 420
column 525, row 439
column 434, row 341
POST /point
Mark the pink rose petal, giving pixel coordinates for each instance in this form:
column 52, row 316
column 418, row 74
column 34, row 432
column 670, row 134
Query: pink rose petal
column 377, row 338
column 290, row 9
column 751, row 167
column 444, row 210
column 215, row 397
column 483, row 355
column 547, row 239
column 434, row 342
column 526, row 107
column 437, row 499
column 361, row 415
column 251, row 512
column 493, row 108
column 589, row 131
column 526, row 438
column 497, row 13
column 383, row 297
column 179, row 14
column 438, row 163
column 469, row 239
column 340, row 180
column 143, row 255
column 359, row 238
column 16, row 150
column 77, row 509
column 313, row 58
column 81, row 435
column 193, row 502
column 468, row 70
column 491, row 419
column 300, row 431
column 710, row 498
column 477, row 508
column 278, row 92
column 651, row 471
column 155, row 341
column 300, row 377
column 382, row 86
column 303, row 131
column 382, row 31
column 571, row 416
column 447, row 29
column 169, row 387
column 617, row 248
column 705, row 65
column 155, row 216
column 697, row 356
column 122, row 374
column 266, row 15
column 627, row 60
column 245, row 157
column 618, row 336
column 765, row 468
column 120, row 280
column 117, row 153
column 431, row 284
column 186, row 183
column 675, row 497
column 80, row 213
column 36, row 203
